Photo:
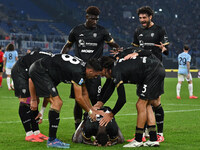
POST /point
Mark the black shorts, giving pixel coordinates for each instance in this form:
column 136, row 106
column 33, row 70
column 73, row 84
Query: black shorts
column 20, row 79
column 153, row 85
column 1, row 67
column 42, row 81
column 94, row 89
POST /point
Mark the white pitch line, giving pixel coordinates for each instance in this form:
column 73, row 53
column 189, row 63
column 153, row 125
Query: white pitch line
column 133, row 114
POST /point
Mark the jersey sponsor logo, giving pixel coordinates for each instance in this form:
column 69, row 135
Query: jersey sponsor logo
column 94, row 34
column 27, row 121
column 46, row 53
column 81, row 34
column 142, row 95
column 54, row 126
column 91, row 44
column 82, row 43
column 81, row 81
column 87, row 51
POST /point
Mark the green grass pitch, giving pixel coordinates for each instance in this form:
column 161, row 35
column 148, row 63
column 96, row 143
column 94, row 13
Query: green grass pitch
column 181, row 127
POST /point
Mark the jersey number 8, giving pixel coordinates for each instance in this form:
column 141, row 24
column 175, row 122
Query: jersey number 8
column 70, row 58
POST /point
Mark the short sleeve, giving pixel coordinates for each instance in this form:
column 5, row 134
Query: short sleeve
column 107, row 36
column 72, row 37
column 78, row 78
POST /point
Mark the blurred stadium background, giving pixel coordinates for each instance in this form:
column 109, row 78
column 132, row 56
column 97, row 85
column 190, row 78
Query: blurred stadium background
column 47, row 23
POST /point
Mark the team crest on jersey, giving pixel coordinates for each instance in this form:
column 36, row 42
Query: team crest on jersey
column 94, row 34
column 54, row 89
column 24, row 91
column 152, row 34
column 81, row 81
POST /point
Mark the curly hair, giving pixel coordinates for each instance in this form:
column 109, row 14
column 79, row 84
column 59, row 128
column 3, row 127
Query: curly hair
column 93, row 10
column 10, row 47
column 94, row 64
column 107, row 62
column 145, row 10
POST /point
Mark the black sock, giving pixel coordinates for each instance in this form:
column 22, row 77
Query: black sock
column 76, row 124
column 77, row 114
column 152, row 133
column 34, row 122
column 139, row 134
column 159, row 113
column 25, row 116
column 53, row 123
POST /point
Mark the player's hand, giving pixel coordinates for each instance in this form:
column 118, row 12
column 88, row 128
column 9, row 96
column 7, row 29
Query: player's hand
column 106, row 119
column 33, row 104
column 115, row 51
column 131, row 56
column 161, row 46
column 39, row 116
column 4, row 69
column 98, row 105
column 40, row 121
column 93, row 115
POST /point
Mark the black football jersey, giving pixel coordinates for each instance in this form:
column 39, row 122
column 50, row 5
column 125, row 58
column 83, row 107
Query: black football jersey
column 28, row 59
column 133, row 70
column 65, row 68
column 89, row 43
column 147, row 37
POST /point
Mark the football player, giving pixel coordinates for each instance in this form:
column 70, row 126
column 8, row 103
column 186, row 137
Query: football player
column 89, row 39
column 10, row 57
column 148, row 73
column 184, row 72
column 47, row 73
column 20, row 78
column 104, row 136
column 152, row 37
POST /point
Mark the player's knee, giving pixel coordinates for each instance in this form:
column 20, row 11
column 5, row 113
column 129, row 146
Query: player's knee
column 141, row 104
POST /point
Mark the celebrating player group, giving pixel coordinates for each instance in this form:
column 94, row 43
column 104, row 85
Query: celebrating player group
column 38, row 73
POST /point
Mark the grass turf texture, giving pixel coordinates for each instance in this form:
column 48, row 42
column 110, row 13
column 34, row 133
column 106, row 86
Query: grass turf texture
column 181, row 128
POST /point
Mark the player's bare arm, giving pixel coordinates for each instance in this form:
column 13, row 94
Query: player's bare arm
column 78, row 90
column 33, row 102
column 131, row 56
column 66, row 48
column 4, row 64
column 188, row 67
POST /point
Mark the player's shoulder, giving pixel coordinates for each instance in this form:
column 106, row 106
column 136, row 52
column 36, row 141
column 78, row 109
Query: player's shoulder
column 158, row 27
column 100, row 27
column 180, row 53
column 78, row 28
column 139, row 28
